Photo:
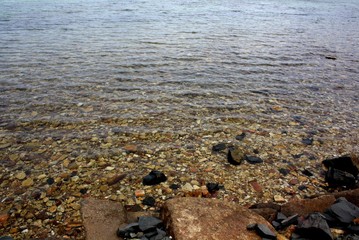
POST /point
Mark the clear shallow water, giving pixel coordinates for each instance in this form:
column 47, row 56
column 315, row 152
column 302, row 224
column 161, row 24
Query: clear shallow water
column 77, row 61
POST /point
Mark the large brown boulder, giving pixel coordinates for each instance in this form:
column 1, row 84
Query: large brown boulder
column 351, row 195
column 209, row 219
column 306, row 206
column 102, row 218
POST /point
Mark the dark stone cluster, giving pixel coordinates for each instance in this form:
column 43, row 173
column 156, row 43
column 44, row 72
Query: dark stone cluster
column 147, row 228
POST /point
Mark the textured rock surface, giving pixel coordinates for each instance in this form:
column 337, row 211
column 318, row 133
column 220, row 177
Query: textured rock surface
column 102, row 218
column 195, row 218
column 351, row 195
column 307, row 206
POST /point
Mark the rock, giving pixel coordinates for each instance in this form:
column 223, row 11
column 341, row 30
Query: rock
column 202, row 218
column 307, row 141
column 351, row 195
column 284, row 171
column 335, row 178
column 27, row 183
column 131, row 148
column 140, row 193
column 125, row 231
column 115, row 179
column 235, row 156
column 219, row 147
column 268, row 213
column 174, row 186
column 307, row 173
column 6, row 238
column 342, row 212
column 253, row 160
column 279, row 199
column 314, row 227
column 289, row 221
column 3, row 218
column 50, row 181
column 345, row 163
column 21, row 175
column 101, row 218
column 241, row 136
column 187, row 187
column 307, row 206
column 154, row 177
column 212, row 187
column 293, row 181
column 149, row 201
column 147, row 223
column 256, row 186
column 263, row 231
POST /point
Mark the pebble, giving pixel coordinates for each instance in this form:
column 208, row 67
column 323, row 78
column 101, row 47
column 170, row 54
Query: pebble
column 140, row 193
column 27, row 183
column 279, row 199
column 20, row 175
column 187, row 187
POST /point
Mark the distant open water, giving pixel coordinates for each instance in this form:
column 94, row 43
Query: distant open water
column 137, row 58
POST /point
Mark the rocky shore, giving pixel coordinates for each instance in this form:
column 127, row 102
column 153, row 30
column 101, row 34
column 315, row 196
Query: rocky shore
column 47, row 169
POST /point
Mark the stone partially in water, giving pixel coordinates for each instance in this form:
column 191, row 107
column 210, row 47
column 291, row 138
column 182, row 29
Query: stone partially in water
column 219, row 147
column 212, row 187
column 253, row 160
column 235, row 156
column 307, row 141
column 241, row 136
column 154, row 177
column 149, row 201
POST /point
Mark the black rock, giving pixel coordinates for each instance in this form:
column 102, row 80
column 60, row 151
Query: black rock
column 344, row 163
column 349, row 237
column 83, row 190
column 314, row 227
column 307, row 141
column 235, row 156
column 302, row 187
column 263, row 231
column 50, row 181
column 353, row 229
column 335, row 178
column 6, row 238
column 212, row 187
column 241, row 137
column 147, row 223
column 219, row 147
column 276, row 224
column 342, row 211
column 280, row 217
column 154, row 177
column 289, row 221
column 174, row 186
column 149, row 201
column 284, row 171
column 306, row 172
column 125, row 232
column 253, row 160
column 160, row 235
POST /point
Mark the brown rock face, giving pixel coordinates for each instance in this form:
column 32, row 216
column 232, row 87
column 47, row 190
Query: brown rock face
column 102, row 218
column 351, row 195
column 210, row 219
column 305, row 206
